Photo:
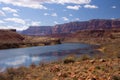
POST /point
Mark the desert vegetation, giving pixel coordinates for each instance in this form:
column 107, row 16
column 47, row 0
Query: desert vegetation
column 70, row 68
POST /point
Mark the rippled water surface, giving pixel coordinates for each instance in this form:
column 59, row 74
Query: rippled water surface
column 27, row 56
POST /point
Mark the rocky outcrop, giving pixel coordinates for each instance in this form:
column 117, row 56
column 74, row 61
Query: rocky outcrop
column 94, row 36
column 96, row 33
column 69, row 27
column 11, row 39
column 8, row 36
column 95, row 24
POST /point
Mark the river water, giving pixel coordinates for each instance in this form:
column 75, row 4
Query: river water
column 26, row 56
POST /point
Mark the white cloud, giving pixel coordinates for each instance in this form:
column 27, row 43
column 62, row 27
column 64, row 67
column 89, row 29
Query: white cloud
column 90, row 6
column 14, row 27
column 65, row 18
column 16, row 20
column 15, row 23
column 35, row 23
column 113, row 18
column 8, row 9
column 16, row 15
column 2, row 13
column 77, row 19
column 54, row 14
column 1, row 21
column 76, row 7
column 37, row 4
column 66, row 1
column 55, row 22
column 113, row 7
column 46, row 14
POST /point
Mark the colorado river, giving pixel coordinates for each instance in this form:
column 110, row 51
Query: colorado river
column 26, row 56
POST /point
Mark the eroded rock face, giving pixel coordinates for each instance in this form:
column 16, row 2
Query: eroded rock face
column 103, row 24
column 69, row 27
column 95, row 24
column 96, row 33
column 10, row 39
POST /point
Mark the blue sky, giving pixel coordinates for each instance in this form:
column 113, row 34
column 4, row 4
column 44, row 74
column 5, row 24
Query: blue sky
column 20, row 14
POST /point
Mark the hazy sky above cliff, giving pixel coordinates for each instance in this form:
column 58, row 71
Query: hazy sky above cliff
column 20, row 14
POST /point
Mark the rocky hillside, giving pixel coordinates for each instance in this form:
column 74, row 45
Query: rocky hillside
column 95, row 24
column 11, row 39
column 8, row 36
column 97, row 33
column 69, row 27
column 94, row 36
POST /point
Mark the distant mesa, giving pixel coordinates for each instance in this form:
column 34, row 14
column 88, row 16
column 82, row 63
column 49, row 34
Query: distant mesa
column 94, row 24
column 38, row 30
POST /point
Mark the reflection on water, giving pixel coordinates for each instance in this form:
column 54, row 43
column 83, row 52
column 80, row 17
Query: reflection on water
column 27, row 56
